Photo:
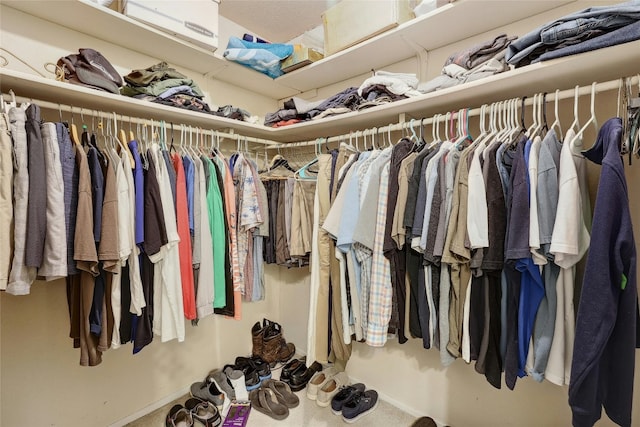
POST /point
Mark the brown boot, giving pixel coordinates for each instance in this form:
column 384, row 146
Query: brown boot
column 257, row 336
column 275, row 348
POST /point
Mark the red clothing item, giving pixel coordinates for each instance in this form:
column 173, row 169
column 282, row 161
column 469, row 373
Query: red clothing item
column 184, row 247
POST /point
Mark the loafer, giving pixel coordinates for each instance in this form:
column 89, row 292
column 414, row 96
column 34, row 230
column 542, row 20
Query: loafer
column 294, row 365
column 299, row 379
column 344, row 395
column 318, row 380
column 204, row 412
column 361, row 403
column 179, row 416
column 331, row 388
column 207, row 391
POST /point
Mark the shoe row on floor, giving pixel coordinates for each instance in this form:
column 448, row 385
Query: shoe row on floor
column 330, row 387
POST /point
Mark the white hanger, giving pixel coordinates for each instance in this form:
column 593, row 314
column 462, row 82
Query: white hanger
column 576, row 120
column 556, row 122
column 592, row 118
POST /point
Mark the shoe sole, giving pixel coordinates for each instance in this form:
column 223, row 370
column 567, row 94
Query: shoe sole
column 322, row 403
column 338, row 413
column 312, row 396
column 362, row 414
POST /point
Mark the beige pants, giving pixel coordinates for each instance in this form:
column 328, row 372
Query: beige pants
column 6, row 201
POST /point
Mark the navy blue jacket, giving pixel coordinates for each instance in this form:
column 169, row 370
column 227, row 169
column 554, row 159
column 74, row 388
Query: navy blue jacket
column 604, row 351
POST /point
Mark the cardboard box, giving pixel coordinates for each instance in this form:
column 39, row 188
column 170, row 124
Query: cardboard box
column 300, row 57
column 195, row 21
column 353, row 21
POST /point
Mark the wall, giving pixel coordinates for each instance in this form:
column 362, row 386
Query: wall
column 39, row 369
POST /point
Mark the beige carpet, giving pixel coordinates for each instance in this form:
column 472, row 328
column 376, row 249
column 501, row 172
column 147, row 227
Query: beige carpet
column 307, row 414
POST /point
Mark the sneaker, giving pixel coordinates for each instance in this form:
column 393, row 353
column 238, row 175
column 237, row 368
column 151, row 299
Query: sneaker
column 360, row 404
column 331, row 388
column 344, row 395
column 208, row 392
column 318, row 380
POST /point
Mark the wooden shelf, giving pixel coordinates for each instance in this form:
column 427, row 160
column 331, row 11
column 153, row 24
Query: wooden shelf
column 101, row 22
column 428, row 32
column 562, row 73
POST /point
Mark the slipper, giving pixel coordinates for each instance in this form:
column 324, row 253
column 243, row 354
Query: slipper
column 264, row 400
column 283, row 393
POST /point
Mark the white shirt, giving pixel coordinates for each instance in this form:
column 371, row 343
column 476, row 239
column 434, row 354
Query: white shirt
column 167, row 268
column 477, row 211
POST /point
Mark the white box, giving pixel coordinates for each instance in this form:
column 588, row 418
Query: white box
column 195, row 21
column 353, row 21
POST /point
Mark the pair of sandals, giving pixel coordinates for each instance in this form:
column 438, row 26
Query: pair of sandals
column 194, row 409
column 274, row 398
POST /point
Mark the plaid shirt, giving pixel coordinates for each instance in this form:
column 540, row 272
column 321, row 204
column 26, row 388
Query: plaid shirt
column 380, row 292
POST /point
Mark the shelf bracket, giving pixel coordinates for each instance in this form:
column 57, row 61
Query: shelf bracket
column 422, row 58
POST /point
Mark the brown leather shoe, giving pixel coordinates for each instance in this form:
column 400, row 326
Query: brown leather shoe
column 275, row 348
column 257, row 336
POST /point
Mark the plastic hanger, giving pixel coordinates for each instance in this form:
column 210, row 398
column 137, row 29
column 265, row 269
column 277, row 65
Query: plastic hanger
column 556, row 122
column 576, row 122
column 592, row 118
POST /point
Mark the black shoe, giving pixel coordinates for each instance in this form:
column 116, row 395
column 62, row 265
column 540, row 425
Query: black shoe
column 294, row 365
column 299, row 378
column 251, row 378
column 344, row 395
column 360, row 404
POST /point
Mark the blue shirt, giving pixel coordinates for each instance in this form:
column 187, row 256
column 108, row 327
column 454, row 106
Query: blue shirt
column 189, row 173
column 138, row 183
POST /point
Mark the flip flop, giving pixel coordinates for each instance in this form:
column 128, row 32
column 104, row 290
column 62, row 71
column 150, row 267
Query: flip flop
column 264, row 400
column 283, row 393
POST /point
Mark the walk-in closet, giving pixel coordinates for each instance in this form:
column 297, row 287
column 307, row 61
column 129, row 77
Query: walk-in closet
column 256, row 213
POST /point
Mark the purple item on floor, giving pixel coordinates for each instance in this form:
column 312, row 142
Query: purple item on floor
column 238, row 415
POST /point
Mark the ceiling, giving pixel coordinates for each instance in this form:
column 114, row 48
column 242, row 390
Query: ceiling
column 276, row 20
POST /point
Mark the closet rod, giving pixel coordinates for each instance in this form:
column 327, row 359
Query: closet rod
column 393, row 127
column 130, row 119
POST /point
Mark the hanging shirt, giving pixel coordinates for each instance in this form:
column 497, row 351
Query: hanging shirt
column 605, row 343
column 205, row 291
column 138, row 181
column 70, row 179
column 168, row 321
column 569, row 243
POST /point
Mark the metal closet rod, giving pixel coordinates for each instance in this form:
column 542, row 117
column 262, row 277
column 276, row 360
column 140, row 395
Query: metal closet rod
column 393, row 127
column 237, row 138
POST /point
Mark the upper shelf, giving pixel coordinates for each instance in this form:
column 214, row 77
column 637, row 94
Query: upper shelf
column 562, row 73
column 429, row 32
column 106, row 24
column 32, row 86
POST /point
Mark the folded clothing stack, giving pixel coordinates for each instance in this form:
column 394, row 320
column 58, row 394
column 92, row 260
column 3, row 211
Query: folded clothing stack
column 165, row 85
column 296, row 109
column 384, row 87
column 589, row 29
column 482, row 60
column 262, row 57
